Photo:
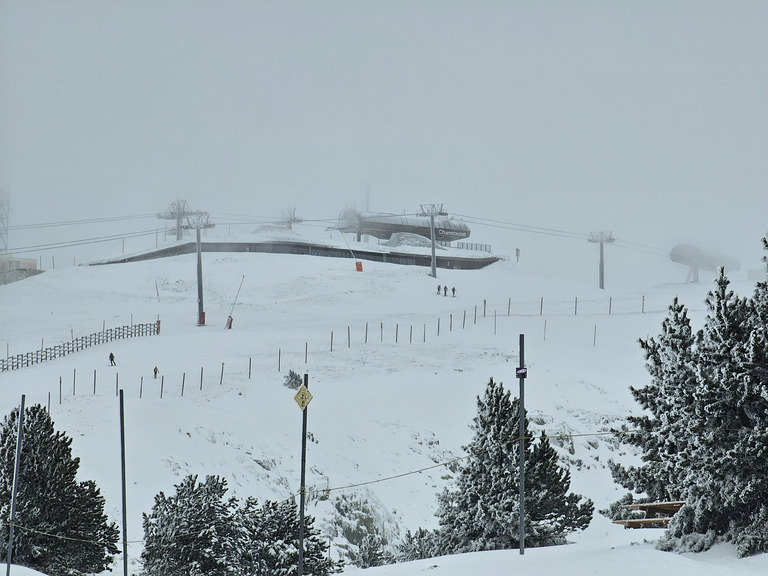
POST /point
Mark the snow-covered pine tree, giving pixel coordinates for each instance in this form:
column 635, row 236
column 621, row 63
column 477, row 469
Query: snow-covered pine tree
column 661, row 434
column 191, row 533
column 551, row 511
column 370, row 552
column 62, row 529
column 705, row 441
column 481, row 512
column 726, row 490
column 419, row 545
column 269, row 541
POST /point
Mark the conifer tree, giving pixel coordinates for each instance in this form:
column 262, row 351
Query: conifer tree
column 62, row 529
column 200, row 532
column 269, row 541
column 482, row 511
column 706, row 441
column 667, row 400
column 191, row 533
column 419, row 545
column 726, row 487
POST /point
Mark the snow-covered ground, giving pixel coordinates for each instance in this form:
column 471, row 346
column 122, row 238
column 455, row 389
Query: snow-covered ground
column 391, row 394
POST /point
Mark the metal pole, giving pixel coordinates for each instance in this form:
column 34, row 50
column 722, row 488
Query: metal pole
column 602, row 264
column 200, row 312
column 521, row 376
column 237, row 296
column 303, row 490
column 125, row 505
column 432, row 234
column 15, row 487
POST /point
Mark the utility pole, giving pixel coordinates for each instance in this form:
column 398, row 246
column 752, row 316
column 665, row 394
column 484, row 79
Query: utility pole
column 303, row 397
column 122, row 467
column 430, row 210
column 522, row 373
column 601, row 238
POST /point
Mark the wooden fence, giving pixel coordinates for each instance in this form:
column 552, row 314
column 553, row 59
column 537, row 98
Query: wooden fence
column 76, row 344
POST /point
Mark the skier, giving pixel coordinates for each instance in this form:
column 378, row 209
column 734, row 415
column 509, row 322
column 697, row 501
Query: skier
column 156, row 371
column 454, row 291
column 445, row 290
column 112, row 359
column 438, row 289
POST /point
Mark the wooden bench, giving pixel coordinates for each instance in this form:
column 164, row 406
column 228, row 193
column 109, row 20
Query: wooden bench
column 657, row 514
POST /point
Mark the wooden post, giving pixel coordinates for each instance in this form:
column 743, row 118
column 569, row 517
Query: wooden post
column 183, row 381
column 162, row 385
column 201, row 377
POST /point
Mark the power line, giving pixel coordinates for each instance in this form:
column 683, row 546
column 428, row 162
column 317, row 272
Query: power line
column 79, row 222
column 95, row 240
column 523, row 227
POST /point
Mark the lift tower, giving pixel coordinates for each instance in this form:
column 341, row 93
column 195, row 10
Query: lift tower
column 186, row 218
column 601, row 238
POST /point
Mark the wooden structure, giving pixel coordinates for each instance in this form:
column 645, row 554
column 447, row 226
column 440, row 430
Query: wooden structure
column 657, row 514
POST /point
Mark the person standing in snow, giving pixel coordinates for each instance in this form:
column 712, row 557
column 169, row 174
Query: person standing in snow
column 453, row 290
column 156, row 371
column 445, row 290
column 112, row 359
column 438, row 289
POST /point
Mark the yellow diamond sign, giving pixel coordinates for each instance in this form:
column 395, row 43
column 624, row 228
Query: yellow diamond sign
column 303, row 397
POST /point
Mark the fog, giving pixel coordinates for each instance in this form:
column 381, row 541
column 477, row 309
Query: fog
column 646, row 119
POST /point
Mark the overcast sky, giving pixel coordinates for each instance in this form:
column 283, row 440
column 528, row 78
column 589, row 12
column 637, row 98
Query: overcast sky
column 645, row 118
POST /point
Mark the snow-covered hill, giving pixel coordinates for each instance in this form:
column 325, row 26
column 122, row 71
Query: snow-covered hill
column 394, row 369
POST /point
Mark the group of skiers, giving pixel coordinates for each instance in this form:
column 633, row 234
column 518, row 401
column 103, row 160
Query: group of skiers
column 113, row 363
column 444, row 290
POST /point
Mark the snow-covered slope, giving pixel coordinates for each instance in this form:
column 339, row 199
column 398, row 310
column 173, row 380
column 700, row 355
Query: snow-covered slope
column 394, row 369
